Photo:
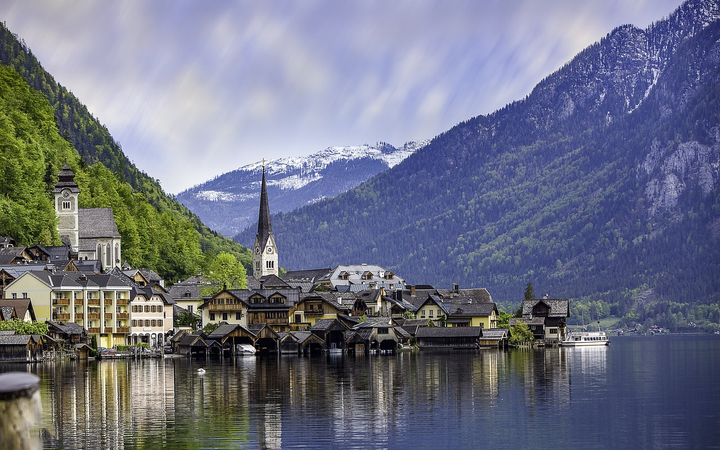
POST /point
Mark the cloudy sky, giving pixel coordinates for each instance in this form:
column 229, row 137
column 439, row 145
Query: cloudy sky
column 194, row 89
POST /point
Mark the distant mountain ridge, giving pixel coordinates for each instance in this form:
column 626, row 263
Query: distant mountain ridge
column 229, row 202
column 603, row 183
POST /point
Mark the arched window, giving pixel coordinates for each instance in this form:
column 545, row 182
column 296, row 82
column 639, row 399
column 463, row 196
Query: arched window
column 108, row 255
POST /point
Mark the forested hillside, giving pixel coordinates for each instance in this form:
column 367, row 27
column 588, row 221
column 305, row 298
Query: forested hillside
column 602, row 184
column 42, row 125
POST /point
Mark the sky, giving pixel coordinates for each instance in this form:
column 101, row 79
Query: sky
column 195, row 89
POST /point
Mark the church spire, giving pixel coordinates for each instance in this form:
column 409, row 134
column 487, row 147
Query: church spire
column 265, row 257
column 264, row 226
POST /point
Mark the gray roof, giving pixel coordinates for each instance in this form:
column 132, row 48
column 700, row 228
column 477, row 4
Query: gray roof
column 311, row 275
column 69, row 328
column 95, row 223
column 474, row 295
column 443, row 332
column 558, row 307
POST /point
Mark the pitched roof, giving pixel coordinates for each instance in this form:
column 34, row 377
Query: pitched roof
column 474, row 295
column 95, row 223
column 445, row 332
column 21, row 306
column 558, row 307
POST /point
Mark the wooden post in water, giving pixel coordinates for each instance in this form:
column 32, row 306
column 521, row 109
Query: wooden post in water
column 20, row 410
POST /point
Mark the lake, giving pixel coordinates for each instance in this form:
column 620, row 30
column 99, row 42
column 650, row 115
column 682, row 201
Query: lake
column 640, row 392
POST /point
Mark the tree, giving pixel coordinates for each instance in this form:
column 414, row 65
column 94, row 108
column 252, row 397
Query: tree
column 520, row 333
column 224, row 273
column 186, row 319
column 210, row 327
column 529, row 294
column 504, row 320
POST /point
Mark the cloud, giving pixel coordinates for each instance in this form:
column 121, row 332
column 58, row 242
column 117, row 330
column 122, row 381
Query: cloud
column 192, row 89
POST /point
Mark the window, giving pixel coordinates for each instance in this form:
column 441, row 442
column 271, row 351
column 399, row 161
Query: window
column 134, row 323
column 24, row 294
column 152, row 308
column 422, row 313
column 238, row 316
column 147, row 308
column 382, row 331
column 431, row 312
column 212, row 317
column 298, row 318
column 66, row 205
column 14, row 295
column 225, row 316
column 270, row 264
column 190, row 309
column 153, row 322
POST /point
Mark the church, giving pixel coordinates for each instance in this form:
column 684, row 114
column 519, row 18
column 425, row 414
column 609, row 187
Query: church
column 91, row 233
column 265, row 253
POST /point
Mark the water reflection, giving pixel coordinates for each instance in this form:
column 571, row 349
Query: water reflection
column 419, row 400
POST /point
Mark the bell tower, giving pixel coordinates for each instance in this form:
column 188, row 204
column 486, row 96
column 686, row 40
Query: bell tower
column 66, row 206
column 265, row 253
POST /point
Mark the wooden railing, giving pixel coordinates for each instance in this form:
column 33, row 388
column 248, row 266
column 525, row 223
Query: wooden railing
column 212, row 307
column 108, row 315
column 123, row 315
column 61, row 301
column 79, row 316
column 62, row 316
column 94, row 330
column 123, row 330
column 93, row 315
column 108, row 302
column 122, row 301
column 108, row 330
column 93, row 301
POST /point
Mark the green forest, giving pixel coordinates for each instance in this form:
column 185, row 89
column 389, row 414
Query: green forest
column 532, row 193
column 42, row 126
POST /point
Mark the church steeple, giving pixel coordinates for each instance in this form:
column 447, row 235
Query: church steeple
column 66, row 193
column 265, row 256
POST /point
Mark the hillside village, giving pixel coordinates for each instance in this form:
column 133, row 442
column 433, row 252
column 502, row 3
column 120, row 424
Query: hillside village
column 87, row 297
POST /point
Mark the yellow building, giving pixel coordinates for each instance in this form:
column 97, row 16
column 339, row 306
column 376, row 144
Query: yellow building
column 97, row 302
column 319, row 305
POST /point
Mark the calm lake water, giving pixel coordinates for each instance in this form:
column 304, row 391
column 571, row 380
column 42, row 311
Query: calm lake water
column 640, row 392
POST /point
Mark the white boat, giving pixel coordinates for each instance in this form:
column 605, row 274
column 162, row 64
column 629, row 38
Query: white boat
column 585, row 339
column 245, row 349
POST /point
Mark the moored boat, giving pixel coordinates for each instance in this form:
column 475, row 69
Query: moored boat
column 585, row 339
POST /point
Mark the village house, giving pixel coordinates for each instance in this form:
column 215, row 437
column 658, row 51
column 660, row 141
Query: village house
column 546, row 318
column 361, row 277
column 152, row 315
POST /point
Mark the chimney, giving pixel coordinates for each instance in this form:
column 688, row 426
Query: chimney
column 456, row 288
column 412, row 291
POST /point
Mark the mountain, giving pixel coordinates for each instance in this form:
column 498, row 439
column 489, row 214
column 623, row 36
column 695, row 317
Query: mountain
column 42, row 125
column 602, row 184
column 229, row 202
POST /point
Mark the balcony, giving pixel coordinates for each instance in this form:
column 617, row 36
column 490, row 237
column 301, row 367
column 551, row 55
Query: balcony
column 62, row 316
column 125, row 330
column 123, row 315
column 315, row 312
column 214, row 308
column 93, row 302
column 79, row 316
column 62, row 301
column 94, row 330
column 108, row 315
column 93, row 315
column 108, row 302
column 78, row 302
column 122, row 301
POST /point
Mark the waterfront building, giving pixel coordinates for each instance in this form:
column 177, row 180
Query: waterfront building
column 152, row 316
column 97, row 302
